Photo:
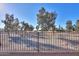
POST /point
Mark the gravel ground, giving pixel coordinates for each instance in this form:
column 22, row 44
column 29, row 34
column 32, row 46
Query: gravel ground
column 48, row 42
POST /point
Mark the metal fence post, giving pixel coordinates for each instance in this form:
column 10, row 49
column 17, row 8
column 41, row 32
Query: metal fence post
column 38, row 41
column 0, row 38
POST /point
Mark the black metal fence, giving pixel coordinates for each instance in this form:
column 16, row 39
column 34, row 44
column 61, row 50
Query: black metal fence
column 42, row 41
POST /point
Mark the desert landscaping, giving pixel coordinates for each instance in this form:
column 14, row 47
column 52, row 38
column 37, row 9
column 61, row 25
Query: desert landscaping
column 48, row 42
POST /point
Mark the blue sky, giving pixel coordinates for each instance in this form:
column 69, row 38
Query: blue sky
column 27, row 12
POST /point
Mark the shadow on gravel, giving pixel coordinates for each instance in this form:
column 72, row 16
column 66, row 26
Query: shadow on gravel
column 73, row 42
column 33, row 44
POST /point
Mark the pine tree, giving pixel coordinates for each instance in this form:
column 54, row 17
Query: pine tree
column 69, row 25
column 46, row 20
